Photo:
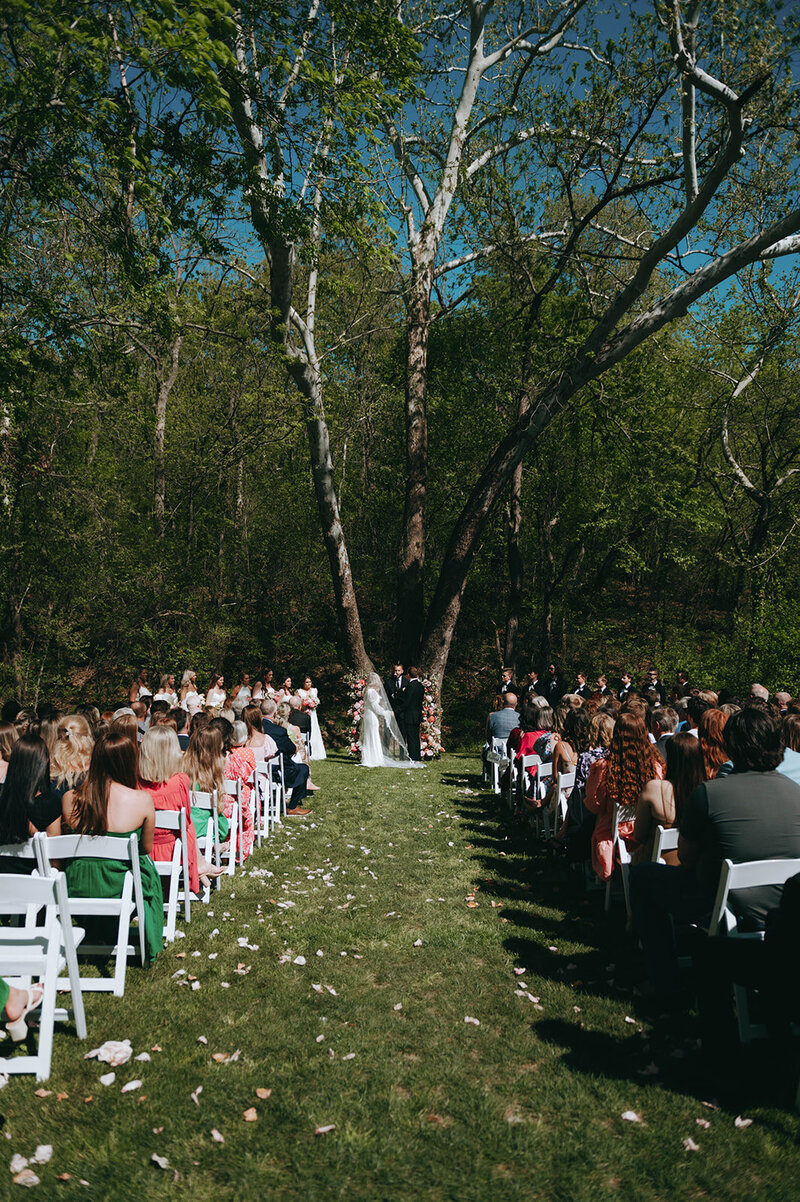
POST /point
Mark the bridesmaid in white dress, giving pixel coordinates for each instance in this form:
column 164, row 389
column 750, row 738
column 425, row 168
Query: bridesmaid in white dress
column 216, row 693
column 309, row 698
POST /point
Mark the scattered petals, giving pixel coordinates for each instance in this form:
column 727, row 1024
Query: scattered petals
column 202, row 1039
column 349, row 1056
column 217, row 1136
column 131, row 1086
column 195, row 1095
column 143, row 1056
column 297, row 960
column 474, row 1021
column 398, row 1006
column 161, row 1161
column 630, row 1116
column 704, row 1123
column 43, row 1093
column 263, row 1093
column 417, row 943
column 325, row 1130
column 108, row 1078
column 250, row 1115
column 740, row 1122
column 691, row 1146
column 630, row 1020
column 18, row 1163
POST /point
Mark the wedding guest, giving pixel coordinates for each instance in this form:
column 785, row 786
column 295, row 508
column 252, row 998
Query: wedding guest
column 581, row 688
column 665, row 722
column 261, row 745
column 790, row 764
column 661, row 801
column 783, row 700
column 181, row 718
column 160, row 774
column 8, row 737
column 27, row 801
column 241, row 695
column 72, row 753
column 625, row 686
column 109, row 803
column 710, row 732
column 507, row 682
column 619, row 779
column 652, row 687
column 204, row 764
column 240, row 765
column 285, row 716
column 499, row 723
column 554, row 688
column 284, row 692
column 190, row 698
column 127, row 724
column 295, row 775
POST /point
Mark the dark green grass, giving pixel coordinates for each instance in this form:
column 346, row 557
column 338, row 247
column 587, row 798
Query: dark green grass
column 526, row 1105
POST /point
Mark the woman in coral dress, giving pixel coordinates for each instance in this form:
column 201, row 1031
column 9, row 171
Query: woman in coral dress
column 240, row 765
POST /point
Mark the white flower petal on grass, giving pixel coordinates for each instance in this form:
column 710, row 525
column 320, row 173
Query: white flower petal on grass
column 319, row 1039
column 519, row 972
column 320, row 952
column 417, row 943
column 143, row 1056
column 325, row 1130
column 217, row 1137
column 349, row 1056
column 114, row 1052
column 26, row 1177
column 160, row 1161
column 18, row 1163
column 300, row 960
column 630, row 1116
column 630, row 1020
column 691, row 1146
column 195, row 985
column 108, row 1078
column 317, row 988
column 131, row 1085
column 202, row 1039
column 331, row 991
column 473, row 1021
column 398, row 1006
column 740, row 1122
column 704, row 1123
column 195, row 1095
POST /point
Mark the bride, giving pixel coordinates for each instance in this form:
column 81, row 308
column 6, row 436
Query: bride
column 382, row 745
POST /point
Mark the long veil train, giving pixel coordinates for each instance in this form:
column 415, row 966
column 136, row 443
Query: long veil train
column 382, row 744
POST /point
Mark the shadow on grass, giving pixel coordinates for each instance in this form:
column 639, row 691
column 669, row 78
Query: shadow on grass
column 546, row 904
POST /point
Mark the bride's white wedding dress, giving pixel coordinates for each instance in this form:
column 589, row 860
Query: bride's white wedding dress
column 382, row 745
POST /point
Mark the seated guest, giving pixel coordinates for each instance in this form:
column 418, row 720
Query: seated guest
column 695, row 708
column 664, row 721
column 261, row 745
column 160, row 774
column 71, row 753
column 158, row 710
column 141, row 710
column 758, row 693
column 752, row 814
column 181, row 718
column 204, row 764
column 8, row 737
column 108, row 802
column 618, row 780
column 710, row 730
column 790, row 764
column 285, row 716
column 240, row 765
column 661, row 802
column 500, row 723
column 783, row 701
column 126, row 723
column 295, row 776
column 535, row 722
column 27, row 801
column 601, row 730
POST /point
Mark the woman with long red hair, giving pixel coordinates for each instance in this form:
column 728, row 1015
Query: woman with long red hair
column 632, row 762
column 712, row 744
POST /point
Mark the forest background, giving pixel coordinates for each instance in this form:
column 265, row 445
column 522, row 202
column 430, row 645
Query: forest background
column 467, row 335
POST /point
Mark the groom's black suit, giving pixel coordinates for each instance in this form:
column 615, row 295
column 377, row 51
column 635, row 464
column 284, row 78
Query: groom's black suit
column 396, row 692
column 412, row 716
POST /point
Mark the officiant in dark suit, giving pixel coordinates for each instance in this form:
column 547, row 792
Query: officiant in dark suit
column 396, row 686
column 412, row 713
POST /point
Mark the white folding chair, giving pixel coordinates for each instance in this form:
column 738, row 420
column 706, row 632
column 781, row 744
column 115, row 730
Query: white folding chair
column 498, row 759
column 666, row 839
column 511, row 781
column 621, row 856
column 278, row 787
column 126, row 907
column 566, row 783
column 171, row 871
column 541, row 817
column 756, row 874
column 209, row 843
column 40, row 952
column 233, row 788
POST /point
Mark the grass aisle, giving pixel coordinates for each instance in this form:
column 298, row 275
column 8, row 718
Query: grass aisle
column 337, row 974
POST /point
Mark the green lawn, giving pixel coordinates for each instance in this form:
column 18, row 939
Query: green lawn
column 527, row 1104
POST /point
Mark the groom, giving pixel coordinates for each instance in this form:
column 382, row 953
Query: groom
column 412, row 713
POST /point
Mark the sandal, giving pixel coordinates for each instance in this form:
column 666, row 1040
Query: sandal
column 18, row 1029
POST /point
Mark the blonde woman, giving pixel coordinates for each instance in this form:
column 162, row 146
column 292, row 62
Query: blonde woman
column 160, row 763
column 72, row 753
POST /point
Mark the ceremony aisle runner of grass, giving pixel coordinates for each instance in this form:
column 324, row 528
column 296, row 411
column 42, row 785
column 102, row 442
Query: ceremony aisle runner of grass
column 398, row 998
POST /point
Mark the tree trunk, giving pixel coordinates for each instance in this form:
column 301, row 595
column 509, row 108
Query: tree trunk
column 410, row 577
column 164, row 385
column 515, row 570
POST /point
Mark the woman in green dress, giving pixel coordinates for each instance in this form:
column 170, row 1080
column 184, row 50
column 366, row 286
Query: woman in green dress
column 109, row 803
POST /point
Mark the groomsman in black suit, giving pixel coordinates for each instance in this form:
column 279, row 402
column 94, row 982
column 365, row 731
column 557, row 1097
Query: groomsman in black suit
column 554, row 686
column 625, row 686
column 507, row 682
column 532, row 688
column 581, row 688
column 396, row 686
column 412, row 713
